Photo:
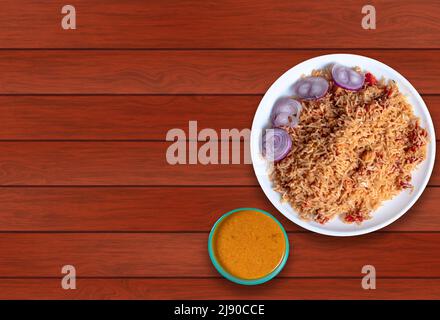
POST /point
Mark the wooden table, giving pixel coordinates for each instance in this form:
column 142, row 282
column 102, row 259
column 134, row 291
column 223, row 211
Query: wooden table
column 84, row 114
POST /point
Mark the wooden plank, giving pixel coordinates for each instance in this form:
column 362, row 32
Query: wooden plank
column 116, row 163
column 186, row 255
column 181, row 72
column 121, row 117
column 141, row 209
column 128, row 117
column 224, row 24
column 108, row 163
column 189, row 289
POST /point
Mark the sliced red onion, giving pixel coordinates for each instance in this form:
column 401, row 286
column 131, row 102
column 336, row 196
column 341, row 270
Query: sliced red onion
column 285, row 119
column 287, row 105
column 347, row 78
column 311, row 88
column 277, row 143
column 286, row 112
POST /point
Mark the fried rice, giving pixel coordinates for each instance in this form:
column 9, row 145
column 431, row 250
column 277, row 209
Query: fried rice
column 351, row 151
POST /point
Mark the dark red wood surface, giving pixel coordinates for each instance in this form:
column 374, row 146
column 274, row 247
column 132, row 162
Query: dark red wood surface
column 220, row 24
column 181, row 71
column 139, row 209
column 162, row 254
column 217, row 288
column 130, row 117
column 83, row 172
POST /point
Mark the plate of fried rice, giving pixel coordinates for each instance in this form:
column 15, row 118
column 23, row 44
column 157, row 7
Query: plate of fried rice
column 342, row 144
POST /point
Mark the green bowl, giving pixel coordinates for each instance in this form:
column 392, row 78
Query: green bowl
column 232, row 278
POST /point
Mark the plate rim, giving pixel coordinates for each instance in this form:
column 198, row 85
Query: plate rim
column 430, row 155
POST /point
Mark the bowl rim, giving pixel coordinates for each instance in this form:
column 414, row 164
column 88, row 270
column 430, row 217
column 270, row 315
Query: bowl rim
column 237, row 280
column 430, row 155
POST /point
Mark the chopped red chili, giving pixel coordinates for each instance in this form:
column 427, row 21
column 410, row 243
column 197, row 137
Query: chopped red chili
column 370, row 79
column 354, row 217
column 389, row 92
column 405, row 185
column 412, row 159
column 321, row 219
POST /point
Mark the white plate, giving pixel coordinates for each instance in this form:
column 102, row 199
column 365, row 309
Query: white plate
column 390, row 210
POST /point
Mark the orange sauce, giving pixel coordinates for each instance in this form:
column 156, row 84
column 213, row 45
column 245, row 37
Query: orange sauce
column 249, row 244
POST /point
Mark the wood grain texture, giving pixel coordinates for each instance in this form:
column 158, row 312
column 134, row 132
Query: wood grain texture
column 220, row 24
column 181, row 72
column 108, row 163
column 219, row 289
column 121, row 117
column 136, row 227
column 119, row 163
column 116, row 163
column 186, row 255
column 159, row 209
column 129, row 117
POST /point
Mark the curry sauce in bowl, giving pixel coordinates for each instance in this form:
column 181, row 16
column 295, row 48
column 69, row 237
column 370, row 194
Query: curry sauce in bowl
column 248, row 246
